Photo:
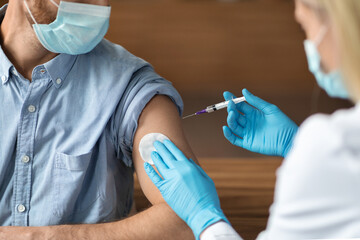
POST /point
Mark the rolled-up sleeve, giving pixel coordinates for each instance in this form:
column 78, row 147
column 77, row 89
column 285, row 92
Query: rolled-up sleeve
column 143, row 86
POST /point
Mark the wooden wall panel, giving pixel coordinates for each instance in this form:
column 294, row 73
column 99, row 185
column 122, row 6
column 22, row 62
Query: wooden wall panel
column 207, row 47
column 210, row 45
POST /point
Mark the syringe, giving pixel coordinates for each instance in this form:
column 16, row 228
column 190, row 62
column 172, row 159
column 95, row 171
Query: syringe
column 217, row 106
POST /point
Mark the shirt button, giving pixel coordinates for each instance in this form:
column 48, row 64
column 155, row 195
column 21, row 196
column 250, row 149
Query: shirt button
column 3, row 79
column 42, row 70
column 58, row 81
column 26, row 159
column 21, row 208
column 31, row 108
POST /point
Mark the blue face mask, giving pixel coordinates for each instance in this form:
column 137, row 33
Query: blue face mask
column 78, row 28
column 332, row 82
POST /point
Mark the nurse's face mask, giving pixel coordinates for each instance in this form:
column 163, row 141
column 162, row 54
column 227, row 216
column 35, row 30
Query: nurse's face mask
column 77, row 29
column 332, row 82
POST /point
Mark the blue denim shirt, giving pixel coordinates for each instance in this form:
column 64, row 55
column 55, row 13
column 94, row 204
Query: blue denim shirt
column 66, row 138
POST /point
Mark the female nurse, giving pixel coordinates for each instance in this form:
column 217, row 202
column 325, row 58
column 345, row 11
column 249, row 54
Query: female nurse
column 317, row 193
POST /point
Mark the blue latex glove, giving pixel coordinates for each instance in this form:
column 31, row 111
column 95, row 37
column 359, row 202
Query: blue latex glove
column 261, row 128
column 185, row 186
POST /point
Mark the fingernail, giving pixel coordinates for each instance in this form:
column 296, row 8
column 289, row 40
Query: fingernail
column 156, row 143
column 146, row 165
column 154, row 154
column 226, row 132
column 245, row 91
column 231, row 114
column 226, row 95
column 167, row 141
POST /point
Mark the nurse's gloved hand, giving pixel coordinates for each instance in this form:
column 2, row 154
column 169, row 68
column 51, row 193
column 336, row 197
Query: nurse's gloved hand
column 261, row 128
column 185, row 186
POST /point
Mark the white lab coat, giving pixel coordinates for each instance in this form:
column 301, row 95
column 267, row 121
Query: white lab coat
column 317, row 193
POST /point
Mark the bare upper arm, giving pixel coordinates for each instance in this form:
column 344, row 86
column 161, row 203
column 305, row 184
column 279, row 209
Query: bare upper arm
column 159, row 116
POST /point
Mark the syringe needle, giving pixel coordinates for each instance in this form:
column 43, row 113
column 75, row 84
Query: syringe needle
column 217, row 106
column 189, row 116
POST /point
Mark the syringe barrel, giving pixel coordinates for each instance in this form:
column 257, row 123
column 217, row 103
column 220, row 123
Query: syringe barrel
column 222, row 105
column 211, row 109
column 239, row 100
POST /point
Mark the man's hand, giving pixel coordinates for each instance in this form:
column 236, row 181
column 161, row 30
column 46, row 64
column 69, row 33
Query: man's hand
column 158, row 222
column 23, row 233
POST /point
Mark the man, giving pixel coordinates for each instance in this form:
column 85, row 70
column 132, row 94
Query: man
column 74, row 109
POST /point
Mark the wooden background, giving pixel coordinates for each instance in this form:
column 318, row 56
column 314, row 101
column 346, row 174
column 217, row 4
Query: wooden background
column 206, row 47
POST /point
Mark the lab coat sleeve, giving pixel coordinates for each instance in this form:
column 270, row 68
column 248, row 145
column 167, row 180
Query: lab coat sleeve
column 317, row 190
column 220, row 231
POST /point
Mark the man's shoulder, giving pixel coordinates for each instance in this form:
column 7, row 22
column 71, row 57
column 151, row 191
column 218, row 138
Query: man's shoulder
column 107, row 53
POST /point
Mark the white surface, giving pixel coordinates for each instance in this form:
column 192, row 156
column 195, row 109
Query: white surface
column 220, row 231
column 317, row 190
column 146, row 146
column 318, row 186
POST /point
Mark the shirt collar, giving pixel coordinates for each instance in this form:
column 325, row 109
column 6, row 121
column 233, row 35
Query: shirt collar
column 58, row 67
column 5, row 66
column 5, row 63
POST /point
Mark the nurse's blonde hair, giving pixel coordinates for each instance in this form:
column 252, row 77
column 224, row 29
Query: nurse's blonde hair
column 345, row 15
